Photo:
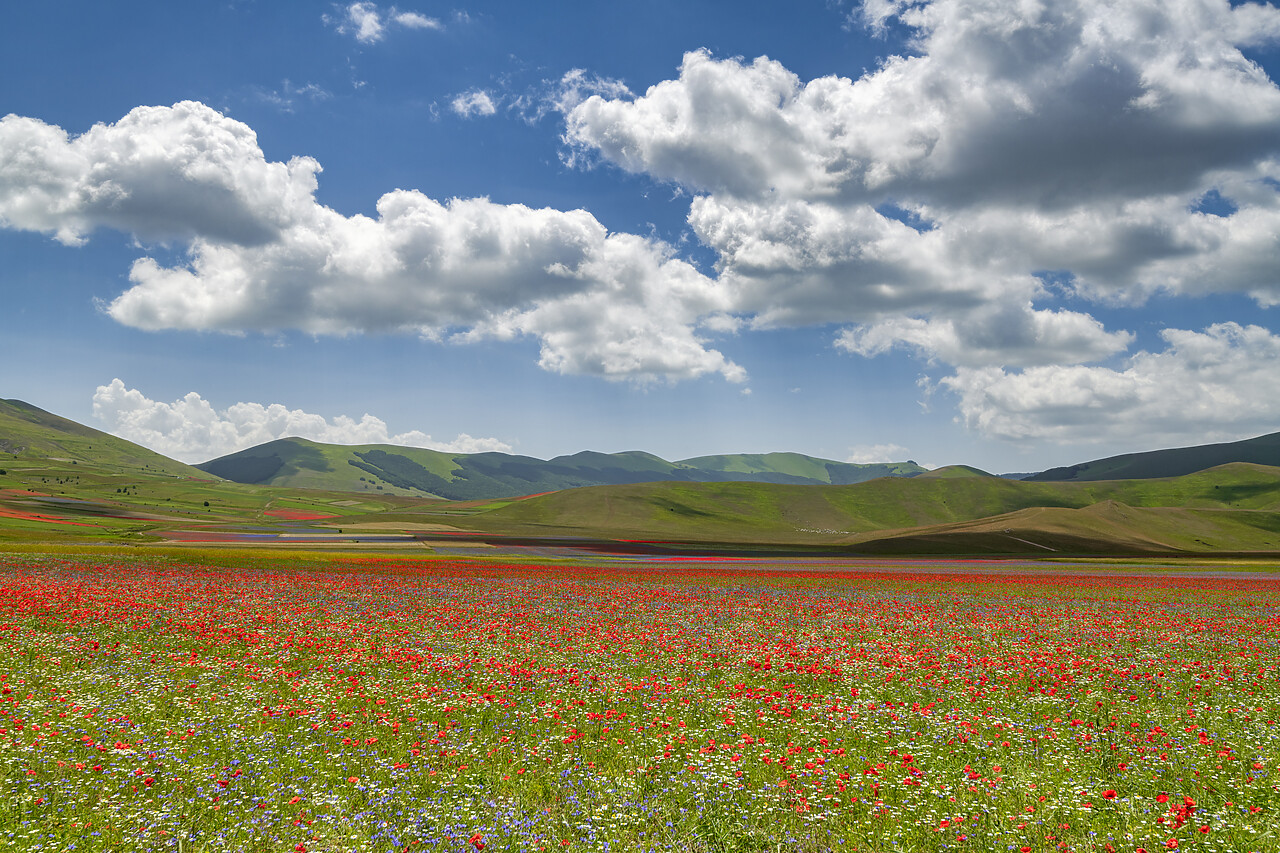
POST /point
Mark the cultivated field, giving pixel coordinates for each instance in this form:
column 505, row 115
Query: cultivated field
column 292, row 703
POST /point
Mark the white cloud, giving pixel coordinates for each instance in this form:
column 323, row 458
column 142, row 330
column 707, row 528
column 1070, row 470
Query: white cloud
column 920, row 205
column 993, row 108
column 363, row 21
column 1219, row 384
column 638, row 325
column 416, row 21
column 868, row 454
column 578, row 84
column 160, row 173
column 263, row 255
column 191, row 430
column 562, row 95
column 921, row 200
column 1002, row 334
column 473, row 103
column 287, row 97
column 368, row 24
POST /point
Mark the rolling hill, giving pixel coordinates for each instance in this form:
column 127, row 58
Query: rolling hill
column 63, row 481
column 298, row 463
column 31, row 435
column 1233, row 507
column 1174, row 462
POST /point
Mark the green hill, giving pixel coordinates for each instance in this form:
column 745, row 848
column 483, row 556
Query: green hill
column 1233, row 507
column 794, row 468
column 62, row 481
column 298, row 463
column 1174, row 462
column 31, row 436
column 955, row 472
column 1109, row 528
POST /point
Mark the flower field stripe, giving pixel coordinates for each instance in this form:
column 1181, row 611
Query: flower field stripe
column 371, row 704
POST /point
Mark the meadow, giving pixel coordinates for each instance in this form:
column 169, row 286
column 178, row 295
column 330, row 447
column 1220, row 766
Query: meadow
column 284, row 702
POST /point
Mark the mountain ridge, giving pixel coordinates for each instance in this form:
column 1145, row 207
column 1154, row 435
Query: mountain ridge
column 301, row 463
column 63, row 481
column 27, row 431
column 1169, row 462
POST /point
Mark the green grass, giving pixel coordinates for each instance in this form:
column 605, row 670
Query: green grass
column 954, row 472
column 31, row 434
column 298, row 463
column 800, row 467
column 1233, row 507
column 254, row 702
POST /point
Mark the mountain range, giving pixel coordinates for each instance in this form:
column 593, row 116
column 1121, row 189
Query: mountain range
column 63, row 481
column 1174, row 462
column 299, row 463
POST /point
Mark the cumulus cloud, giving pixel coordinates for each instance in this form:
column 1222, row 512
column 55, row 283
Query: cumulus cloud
column 1007, row 334
column 994, row 107
column 191, row 430
column 263, row 255
column 368, row 24
column 160, row 173
column 415, row 21
column 922, row 205
column 923, row 199
column 1219, row 384
column 476, row 102
column 563, row 94
column 577, row 84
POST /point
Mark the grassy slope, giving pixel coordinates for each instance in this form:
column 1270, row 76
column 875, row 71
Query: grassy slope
column 1174, row 462
column 102, row 504
column 794, row 468
column 83, row 484
column 129, row 492
column 1107, row 528
column 1231, row 506
column 29, row 435
column 301, row 464
column 412, row 471
column 954, row 472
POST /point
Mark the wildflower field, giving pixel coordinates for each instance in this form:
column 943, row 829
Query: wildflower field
column 379, row 704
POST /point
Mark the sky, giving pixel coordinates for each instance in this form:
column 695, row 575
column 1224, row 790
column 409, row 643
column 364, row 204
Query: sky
column 1004, row 233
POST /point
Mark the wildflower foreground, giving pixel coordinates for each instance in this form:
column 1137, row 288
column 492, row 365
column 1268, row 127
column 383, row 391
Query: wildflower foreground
column 436, row 705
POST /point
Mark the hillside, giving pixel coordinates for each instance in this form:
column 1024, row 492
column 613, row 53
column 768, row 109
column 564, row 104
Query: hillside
column 793, row 468
column 1174, row 462
column 955, row 472
column 298, row 463
column 1233, row 507
column 62, row 481
column 30, row 435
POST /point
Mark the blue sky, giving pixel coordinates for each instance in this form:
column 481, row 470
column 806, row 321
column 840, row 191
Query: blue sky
column 1011, row 235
